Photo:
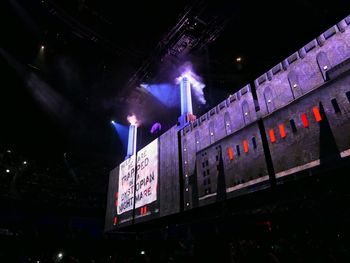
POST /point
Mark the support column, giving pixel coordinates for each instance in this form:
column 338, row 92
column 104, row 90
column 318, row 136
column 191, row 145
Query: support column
column 131, row 141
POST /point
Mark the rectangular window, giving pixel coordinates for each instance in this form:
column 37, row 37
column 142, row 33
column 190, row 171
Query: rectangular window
column 238, row 150
column 208, row 180
column 204, row 182
column 206, row 163
column 204, row 174
column 304, row 120
column 245, row 146
column 293, row 126
column 203, row 164
column 282, row 131
column 348, row 95
column 317, row 114
column 272, row 136
column 335, row 105
column 207, row 171
column 254, row 142
column 230, row 153
column 217, row 157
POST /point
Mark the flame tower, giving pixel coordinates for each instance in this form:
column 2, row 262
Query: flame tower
column 186, row 102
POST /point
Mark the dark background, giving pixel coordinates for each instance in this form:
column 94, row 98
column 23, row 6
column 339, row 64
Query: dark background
column 89, row 78
column 56, row 106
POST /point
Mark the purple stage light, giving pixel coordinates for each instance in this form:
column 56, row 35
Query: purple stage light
column 156, row 127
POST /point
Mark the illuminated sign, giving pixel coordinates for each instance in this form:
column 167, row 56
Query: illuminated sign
column 147, row 175
column 126, row 185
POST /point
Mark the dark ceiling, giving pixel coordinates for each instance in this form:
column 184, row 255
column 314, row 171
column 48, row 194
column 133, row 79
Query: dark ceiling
column 61, row 99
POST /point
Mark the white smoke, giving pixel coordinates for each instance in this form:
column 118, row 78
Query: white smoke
column 196, row 82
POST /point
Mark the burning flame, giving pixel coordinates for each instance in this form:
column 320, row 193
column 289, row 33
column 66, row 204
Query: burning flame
column 132, row 119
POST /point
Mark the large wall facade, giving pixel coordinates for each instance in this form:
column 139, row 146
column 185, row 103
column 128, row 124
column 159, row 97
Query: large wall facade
column 293, row 121
column 304, row 103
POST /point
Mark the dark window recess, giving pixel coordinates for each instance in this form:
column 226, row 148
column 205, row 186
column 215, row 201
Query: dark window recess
column 203, row 165
column 254, row 142
column 335, row 105
column 204, row 182
column 206, row 163
column 348, row 95
column 292, row 125
column 238, row 150
column 217, row 157
column 204, row 173
column 208, row 181
column 208, row 171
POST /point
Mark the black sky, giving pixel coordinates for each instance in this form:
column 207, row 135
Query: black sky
column 88, row 76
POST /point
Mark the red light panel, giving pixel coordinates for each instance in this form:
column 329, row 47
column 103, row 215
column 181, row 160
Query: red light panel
column 230, row 154
column 317, row 114
column 245, row 146
column 282, row 131
column 272, row 136
column 304, row 120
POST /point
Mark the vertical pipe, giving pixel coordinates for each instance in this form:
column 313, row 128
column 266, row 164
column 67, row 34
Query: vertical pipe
column 186, row 99
column 131, row 140
column 135, row 141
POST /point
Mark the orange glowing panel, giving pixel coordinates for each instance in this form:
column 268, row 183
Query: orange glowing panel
column 245, row 146
column 230, row 154
column 272, row 136
column 317, row 114
column 282, row 131
column 304, row 120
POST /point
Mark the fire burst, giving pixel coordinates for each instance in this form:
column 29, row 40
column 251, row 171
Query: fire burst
column 132, row 119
